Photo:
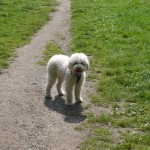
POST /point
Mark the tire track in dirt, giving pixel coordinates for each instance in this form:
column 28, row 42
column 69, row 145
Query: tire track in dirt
column 27, row 120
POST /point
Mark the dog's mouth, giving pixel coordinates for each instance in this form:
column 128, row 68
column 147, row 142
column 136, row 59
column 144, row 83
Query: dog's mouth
column 78, row 70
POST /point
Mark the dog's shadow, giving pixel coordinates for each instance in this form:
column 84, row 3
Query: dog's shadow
column 73, row 114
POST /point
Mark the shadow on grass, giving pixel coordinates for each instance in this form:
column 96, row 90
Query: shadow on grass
column 72, row 114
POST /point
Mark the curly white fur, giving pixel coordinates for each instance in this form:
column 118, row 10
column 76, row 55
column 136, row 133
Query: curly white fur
column 72, row 71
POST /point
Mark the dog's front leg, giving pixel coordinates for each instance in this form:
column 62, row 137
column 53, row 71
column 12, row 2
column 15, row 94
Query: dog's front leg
column 78, row 91
column 69, row 93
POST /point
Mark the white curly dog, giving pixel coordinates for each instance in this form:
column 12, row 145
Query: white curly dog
column 72, row 71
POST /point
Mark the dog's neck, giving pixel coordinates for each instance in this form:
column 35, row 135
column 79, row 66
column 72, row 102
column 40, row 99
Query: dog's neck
column 78, row 76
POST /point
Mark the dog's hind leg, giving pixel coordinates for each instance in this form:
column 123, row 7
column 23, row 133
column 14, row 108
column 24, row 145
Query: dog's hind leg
column 59, row 86
column 51, row 79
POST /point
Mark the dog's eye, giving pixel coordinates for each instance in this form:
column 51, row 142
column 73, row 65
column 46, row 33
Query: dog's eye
column 82, row 64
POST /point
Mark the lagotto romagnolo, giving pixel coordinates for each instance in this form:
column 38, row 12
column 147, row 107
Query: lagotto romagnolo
column 71, row 72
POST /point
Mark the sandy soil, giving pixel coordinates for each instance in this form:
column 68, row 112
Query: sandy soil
column 27, row 120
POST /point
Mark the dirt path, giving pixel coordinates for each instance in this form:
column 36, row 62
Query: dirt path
column 27, row 120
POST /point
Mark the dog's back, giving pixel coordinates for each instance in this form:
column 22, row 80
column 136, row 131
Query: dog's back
column 57, row 63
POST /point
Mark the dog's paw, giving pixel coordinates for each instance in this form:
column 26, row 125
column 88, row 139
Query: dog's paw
column 61, row 92
column 79, row 100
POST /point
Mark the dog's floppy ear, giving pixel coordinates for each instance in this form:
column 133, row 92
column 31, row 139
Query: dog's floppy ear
column 69, row 65
column 88, row 65
column 87, row 62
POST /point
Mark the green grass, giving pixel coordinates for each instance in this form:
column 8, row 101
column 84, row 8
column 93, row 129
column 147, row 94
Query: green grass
column 100, row 140
column 103, row 133
column 19, row 19
column 116, row 36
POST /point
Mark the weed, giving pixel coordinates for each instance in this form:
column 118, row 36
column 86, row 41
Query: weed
column 51, row 49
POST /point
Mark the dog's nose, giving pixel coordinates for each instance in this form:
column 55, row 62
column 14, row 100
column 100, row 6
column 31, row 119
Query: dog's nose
column 79, row 67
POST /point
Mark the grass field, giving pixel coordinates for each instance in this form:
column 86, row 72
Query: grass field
column 19, row 19
column 116, row 34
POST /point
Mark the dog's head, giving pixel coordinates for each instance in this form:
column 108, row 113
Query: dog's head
column 78, row 63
